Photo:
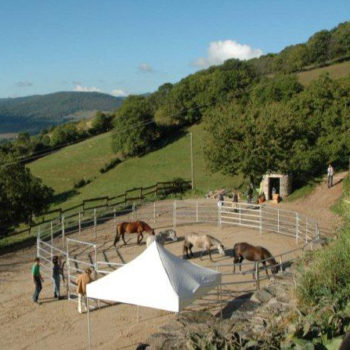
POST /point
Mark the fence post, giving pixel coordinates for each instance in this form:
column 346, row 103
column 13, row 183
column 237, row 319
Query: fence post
column 133, row 211
column 281, row 264
column 63, row 230
column 317, row 232
column 68, row 271
column 174, row 214
column 257, row 276
column 297, row 227
column 79, row 223
column 95, row 223
column 278, row 220
column 115, row 219
column 38, row 243
column 240, row 213
column 197, row 218
column 154, row 212
column 260, row 220
column 51, row 232
column 219, row 215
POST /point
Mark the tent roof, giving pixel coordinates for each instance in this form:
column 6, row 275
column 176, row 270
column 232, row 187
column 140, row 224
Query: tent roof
column 156, row 278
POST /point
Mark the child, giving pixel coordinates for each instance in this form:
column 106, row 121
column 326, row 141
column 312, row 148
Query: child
column 57, row 270
column 37, row 279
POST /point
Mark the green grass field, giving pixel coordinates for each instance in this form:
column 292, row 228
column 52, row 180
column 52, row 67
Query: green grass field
column 61, row 169
column 336, row 71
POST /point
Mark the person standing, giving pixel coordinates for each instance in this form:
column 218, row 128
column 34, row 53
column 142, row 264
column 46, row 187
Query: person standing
column 330, row 174
column 37, row 279
column 57, row 270
column 221, row 200
column 82, row 281
column 250, row 193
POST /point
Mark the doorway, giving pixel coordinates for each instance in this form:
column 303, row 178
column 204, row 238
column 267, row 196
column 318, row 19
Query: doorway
column 274, row 182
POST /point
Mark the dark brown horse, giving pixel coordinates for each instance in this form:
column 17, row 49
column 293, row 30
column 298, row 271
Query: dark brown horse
column 132, row 227
column 247, row 251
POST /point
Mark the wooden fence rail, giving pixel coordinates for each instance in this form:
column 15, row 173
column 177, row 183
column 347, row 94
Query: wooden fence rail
column 121, row 200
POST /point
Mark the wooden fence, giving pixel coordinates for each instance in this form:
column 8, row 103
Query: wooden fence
column 133, row 195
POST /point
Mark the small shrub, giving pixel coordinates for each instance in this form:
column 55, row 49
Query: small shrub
column 108, row 166
column 81, row 183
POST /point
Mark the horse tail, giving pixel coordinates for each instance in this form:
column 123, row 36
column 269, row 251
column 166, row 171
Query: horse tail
column 117, row 233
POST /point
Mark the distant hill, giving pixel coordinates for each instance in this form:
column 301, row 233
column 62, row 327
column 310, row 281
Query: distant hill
column 33, row 113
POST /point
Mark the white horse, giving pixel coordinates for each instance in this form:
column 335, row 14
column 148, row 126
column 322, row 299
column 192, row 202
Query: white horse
column 206, row 242
column 161, row 237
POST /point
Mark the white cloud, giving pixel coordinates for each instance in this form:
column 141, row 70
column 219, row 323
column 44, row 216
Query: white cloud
column 222, row 50
column 145, row 67
column 119, row 93
column 79, row 87
column 24, row 83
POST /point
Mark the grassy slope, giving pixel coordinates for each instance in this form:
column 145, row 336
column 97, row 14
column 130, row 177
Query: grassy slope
column 336, row 71
column 60, row 170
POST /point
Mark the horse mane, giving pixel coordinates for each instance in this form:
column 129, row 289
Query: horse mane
column 268, row 255
column 214, row 239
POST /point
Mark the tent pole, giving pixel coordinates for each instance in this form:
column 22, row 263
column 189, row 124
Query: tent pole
column 88, row 317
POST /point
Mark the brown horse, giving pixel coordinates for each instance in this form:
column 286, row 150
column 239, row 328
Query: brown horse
column 247, row 251
column 132, row 227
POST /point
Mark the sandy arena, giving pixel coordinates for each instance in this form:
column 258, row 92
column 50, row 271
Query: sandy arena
column 57, row 324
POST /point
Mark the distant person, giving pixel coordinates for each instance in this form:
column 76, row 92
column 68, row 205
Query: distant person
column 220, row 200
column 274, row 191
column 57, row 271
column 82, row 282
column 37, row 279
column 330, row 174
column 250, row 193
column 235, row 201
column 235, row 197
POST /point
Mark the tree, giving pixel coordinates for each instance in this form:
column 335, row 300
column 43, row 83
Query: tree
column 299, row 135
column 21, row 194
column 134, row 128
column 101, row 123
column 318, row 46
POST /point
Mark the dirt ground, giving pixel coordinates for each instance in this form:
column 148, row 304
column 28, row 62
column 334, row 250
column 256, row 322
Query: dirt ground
column 57, row 325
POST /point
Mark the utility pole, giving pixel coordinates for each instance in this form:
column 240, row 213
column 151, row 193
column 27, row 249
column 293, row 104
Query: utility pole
column 192, row 168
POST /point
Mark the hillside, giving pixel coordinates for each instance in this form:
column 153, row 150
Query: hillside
column 86, row 158
column 33, row 113
column 336, row 71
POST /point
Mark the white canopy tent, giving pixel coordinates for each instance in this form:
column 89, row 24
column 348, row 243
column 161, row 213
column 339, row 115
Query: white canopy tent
column 156, row 278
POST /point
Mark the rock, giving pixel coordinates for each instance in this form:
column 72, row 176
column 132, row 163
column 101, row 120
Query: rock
column 261, row 296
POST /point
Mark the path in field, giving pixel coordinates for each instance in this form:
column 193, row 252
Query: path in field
column 318, row 204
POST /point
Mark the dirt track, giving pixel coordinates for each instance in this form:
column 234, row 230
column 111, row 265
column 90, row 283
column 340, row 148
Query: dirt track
column 57, row 325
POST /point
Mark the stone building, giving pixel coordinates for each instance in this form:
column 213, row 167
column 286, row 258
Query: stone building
column 282, row 184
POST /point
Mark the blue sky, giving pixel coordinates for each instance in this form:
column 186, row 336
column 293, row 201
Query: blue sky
column 133, row 46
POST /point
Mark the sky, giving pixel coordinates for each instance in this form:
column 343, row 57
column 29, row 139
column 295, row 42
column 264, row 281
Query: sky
column 134, row 46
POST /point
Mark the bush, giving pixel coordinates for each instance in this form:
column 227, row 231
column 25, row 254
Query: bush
column 179, row 186
column 108, row 166
column 81, row 183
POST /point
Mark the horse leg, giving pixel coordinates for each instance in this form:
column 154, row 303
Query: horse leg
column 190, row 250
column 123, row 238
column 185, row 251
column 209, row 252
column 240, row 263
column 117, row 237
column 267, row 273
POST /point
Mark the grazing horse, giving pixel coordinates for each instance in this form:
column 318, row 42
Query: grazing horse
column 247, row 251
column 201, row 241
column 132, row 227
column 161, row 237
